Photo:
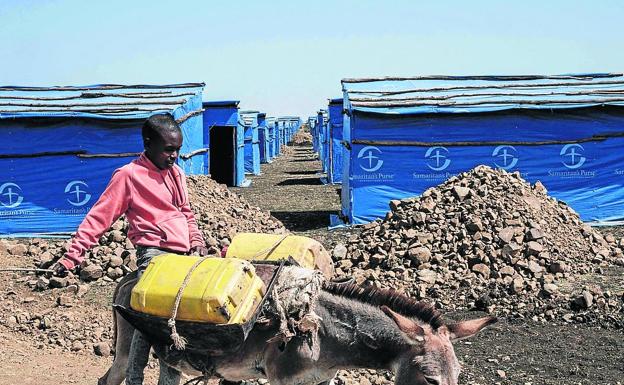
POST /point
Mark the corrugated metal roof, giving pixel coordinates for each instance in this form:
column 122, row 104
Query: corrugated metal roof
column 465, row 94
column 106, row 101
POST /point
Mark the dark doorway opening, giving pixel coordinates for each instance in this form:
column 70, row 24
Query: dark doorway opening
column 222, row 154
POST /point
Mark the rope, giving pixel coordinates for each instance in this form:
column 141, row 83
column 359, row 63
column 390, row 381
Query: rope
column 271, row 248
column 179, row 342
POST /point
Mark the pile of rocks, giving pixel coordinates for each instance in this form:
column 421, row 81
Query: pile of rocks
column 487, row 239
column 302, row 138
column 219, row 213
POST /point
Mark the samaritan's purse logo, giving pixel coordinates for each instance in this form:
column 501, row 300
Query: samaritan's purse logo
column 10, row 195
column 438, row 161
column 369, row 159
column 78, row 197
column 573, row 155
column 508, row 155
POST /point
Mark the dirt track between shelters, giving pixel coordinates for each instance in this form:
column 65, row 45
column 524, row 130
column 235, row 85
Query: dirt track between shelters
column 511, row 352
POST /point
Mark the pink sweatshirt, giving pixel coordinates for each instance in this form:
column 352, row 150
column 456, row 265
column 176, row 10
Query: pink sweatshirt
column 156, row 204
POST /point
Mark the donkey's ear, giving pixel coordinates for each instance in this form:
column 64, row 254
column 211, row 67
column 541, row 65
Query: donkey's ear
column 406, row 325
column 469, row 328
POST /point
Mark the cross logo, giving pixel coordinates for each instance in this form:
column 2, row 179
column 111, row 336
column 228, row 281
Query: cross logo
column 369, row 161
column 13, row 195
column 576, row 158
column 73, row 188
column 508, row 154
column 441, row 162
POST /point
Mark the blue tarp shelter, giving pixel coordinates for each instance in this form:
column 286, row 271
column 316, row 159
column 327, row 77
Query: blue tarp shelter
column 405, row 135
column 252, row 143
column 62, row 144
column 224, row 128
column 314, row 132
column 334, row 142
column 263, row 138
column 272, row 138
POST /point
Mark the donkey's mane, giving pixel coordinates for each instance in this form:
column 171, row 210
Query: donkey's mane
column 396, row 301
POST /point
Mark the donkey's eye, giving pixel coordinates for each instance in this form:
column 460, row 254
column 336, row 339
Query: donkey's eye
column 432, row 380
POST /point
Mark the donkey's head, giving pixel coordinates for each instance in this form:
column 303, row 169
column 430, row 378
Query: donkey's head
column 430, row 359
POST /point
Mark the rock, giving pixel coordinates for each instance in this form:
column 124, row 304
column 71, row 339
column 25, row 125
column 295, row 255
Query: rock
column 506, row 234
column 501, row 373
column 535, row 267
column 394, row 204
column 558, row 267
column 340, row 251
column 427, row 276
column 102, row 349
column 534, row 248
column 420, row 254
column 58, row 282
column 18, row 249
column 482, row 269
column 461, row 193
column 115, row 261
column 534, row 234
column 91, row 272
column 77, row 346
column 550, row 289
column 507, row 270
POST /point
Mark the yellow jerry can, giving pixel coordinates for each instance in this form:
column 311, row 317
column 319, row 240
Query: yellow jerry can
column 274, row 247
column 219, row 291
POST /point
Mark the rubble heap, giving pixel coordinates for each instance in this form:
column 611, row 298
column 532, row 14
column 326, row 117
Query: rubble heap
column 302, row 138
column 487, row 239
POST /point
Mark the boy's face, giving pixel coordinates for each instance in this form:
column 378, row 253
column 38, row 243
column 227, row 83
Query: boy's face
column 164, row 150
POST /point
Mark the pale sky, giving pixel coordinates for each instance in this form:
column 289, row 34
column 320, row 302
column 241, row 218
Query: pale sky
column 287, row 57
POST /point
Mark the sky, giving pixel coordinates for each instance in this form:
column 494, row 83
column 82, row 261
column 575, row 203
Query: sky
column 288, row 57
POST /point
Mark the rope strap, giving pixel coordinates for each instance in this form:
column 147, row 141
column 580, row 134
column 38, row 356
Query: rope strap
column 179, row 342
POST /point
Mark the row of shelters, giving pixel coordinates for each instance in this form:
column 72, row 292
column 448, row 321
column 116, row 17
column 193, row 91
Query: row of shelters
column 396, row 137
column 63, row 143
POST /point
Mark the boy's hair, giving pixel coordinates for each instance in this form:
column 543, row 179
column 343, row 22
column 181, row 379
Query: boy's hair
column 158, row 124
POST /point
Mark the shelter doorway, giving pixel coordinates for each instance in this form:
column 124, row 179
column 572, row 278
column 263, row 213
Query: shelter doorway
column 222, row 154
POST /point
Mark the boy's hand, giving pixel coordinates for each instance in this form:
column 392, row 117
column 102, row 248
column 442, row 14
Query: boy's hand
column 199, row 250
column 59, row 270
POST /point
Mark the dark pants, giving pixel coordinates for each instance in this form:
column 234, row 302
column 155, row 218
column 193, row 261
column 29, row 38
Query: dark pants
column 140, row 347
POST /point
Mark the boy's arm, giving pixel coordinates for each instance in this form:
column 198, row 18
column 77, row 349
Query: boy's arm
column 113, row 202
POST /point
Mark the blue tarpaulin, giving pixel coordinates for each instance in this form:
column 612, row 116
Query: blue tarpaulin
column 62, row 145
column 407, row 135
column 263, row 138
column 334, row 142
column 252, row 143
column 229, row 163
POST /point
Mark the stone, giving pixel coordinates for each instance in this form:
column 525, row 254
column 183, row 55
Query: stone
column 102, row 349
column 534, row 248
column 394, row 204
column 18, row 249
column 461, row 193
column 419, row 254
column 91, row 272
column 115, row 261
column 482, row 269
column 558, row 267
column 534, row 234
column 340, row 251
column 427, row 276
column 535, row 267
column 550, row 289
column 58, row 282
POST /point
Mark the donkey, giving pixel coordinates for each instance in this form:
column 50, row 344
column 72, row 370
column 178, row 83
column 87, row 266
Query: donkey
column 359, row 327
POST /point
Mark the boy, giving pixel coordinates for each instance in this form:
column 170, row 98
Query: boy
column 151, row 191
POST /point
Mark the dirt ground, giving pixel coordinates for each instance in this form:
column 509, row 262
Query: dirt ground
column 518, row 352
